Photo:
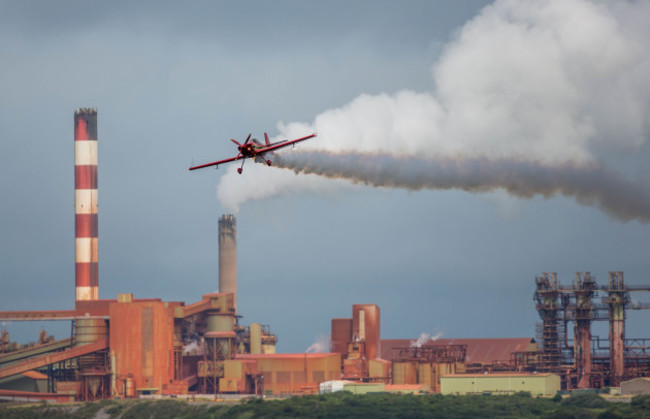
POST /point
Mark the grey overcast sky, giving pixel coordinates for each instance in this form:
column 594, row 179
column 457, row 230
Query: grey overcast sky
column 544, row 81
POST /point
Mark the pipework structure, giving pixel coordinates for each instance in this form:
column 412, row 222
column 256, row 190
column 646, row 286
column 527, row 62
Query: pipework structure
column 617, row 299
column 585, row 361
column 551, row 331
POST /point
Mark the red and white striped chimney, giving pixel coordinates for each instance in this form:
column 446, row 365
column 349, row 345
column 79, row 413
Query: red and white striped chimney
column 85, row 203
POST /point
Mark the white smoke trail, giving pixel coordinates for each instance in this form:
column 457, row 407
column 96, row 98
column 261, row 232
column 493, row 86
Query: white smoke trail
column 589, row 184
column 533, row 97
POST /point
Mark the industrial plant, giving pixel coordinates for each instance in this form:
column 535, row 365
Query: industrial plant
column 127, row 347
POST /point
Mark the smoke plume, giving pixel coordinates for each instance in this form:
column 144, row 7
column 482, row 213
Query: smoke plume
column 321, row 345
column 587, row 184
column 533, row 97
column 425, row 338
column 192, row 348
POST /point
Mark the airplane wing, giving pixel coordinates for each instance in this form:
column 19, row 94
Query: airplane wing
column 217, row 163
column 282, row 144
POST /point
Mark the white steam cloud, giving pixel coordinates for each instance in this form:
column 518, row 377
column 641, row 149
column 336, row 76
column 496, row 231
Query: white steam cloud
column 192, row 348
column 533, row 97
column 425, row 338
column 321, row 345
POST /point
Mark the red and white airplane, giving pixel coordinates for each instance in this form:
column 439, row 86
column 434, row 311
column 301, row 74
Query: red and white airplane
column 253, row 149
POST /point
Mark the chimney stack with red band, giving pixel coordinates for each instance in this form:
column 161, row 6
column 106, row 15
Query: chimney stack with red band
column 85, row 203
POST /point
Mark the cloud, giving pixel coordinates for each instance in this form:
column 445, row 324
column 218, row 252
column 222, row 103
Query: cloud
column 537, row 88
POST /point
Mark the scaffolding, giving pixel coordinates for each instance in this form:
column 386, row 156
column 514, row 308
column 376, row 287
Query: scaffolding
column 551, row 332
column 585, row 362
column 442, row 354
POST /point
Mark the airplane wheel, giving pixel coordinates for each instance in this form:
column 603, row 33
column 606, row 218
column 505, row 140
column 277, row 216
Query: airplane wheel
column 268, row 162
column 239, row 171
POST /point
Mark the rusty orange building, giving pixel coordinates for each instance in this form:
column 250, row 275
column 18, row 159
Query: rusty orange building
column 290, row 373
column 144, row 350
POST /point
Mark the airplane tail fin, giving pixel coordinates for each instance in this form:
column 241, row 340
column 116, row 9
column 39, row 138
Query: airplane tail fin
column 266, row 138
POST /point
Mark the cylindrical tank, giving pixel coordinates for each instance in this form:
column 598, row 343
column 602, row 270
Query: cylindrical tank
column 404, row 373
column 256, row 338
column 90, row 330
column 220, row 322
column 85, row 199
column 228, row 256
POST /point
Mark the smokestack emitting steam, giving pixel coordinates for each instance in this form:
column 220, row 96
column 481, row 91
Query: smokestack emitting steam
column 523, row 100
column 228, row 255
column 85, row 203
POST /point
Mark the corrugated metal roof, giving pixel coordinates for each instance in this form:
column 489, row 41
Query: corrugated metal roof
column 500, row 374
column 226, row 334
column 395, row 387
column 362, row 384
column 637, row 379
column 287, row 356
column 479, row 351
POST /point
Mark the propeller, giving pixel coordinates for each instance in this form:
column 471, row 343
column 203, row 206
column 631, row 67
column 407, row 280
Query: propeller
column 245, row 142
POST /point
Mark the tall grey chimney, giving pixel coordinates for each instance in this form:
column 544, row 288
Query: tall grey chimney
column 228, row 255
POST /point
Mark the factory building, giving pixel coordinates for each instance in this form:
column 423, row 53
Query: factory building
column 357, row 340
column 126, row 347
column 564, row 345
column 502, row 383
column 636, row 386
column 288, row 373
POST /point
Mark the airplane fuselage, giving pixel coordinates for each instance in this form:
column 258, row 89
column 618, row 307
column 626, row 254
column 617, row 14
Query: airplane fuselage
column 248, row 150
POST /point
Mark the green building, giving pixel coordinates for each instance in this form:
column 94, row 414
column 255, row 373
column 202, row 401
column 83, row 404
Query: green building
column 364, row 388
column 536, row 384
